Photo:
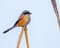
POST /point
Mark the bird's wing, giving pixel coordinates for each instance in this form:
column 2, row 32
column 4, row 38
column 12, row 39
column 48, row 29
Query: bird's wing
column 19, row 19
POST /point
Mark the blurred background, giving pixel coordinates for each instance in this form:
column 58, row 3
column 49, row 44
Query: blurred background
column 43, row 30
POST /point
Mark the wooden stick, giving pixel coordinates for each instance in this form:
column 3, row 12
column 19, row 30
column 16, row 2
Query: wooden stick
column 19, row 39
column 26, row 36
column 56, row 11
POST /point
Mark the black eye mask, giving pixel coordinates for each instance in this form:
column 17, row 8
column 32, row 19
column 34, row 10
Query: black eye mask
column 27, row 13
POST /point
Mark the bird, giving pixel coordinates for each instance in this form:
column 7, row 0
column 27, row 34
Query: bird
column 22, row 21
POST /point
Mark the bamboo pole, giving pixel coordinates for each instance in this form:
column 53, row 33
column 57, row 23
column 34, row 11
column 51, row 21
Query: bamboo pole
column 19, row 39
column 26, row 36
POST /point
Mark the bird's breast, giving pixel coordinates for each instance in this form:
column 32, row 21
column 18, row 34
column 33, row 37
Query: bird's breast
column 24, row 21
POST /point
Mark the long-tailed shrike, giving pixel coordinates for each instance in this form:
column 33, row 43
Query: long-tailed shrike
column 22, row 21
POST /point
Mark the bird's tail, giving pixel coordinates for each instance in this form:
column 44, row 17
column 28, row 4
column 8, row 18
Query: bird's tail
column 8, row 29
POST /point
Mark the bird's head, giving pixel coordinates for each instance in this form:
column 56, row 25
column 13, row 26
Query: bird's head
column 26, row 12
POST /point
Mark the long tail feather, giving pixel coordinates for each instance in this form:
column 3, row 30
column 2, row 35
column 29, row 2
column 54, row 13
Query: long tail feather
column 8, row 29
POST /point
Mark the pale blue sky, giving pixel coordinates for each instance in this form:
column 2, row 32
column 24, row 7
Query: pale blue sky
column 43, row 29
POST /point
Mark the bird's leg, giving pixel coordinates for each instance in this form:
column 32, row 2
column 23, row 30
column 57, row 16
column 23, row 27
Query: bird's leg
column 19, row 39
column 26, row 36
column 56, row 10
